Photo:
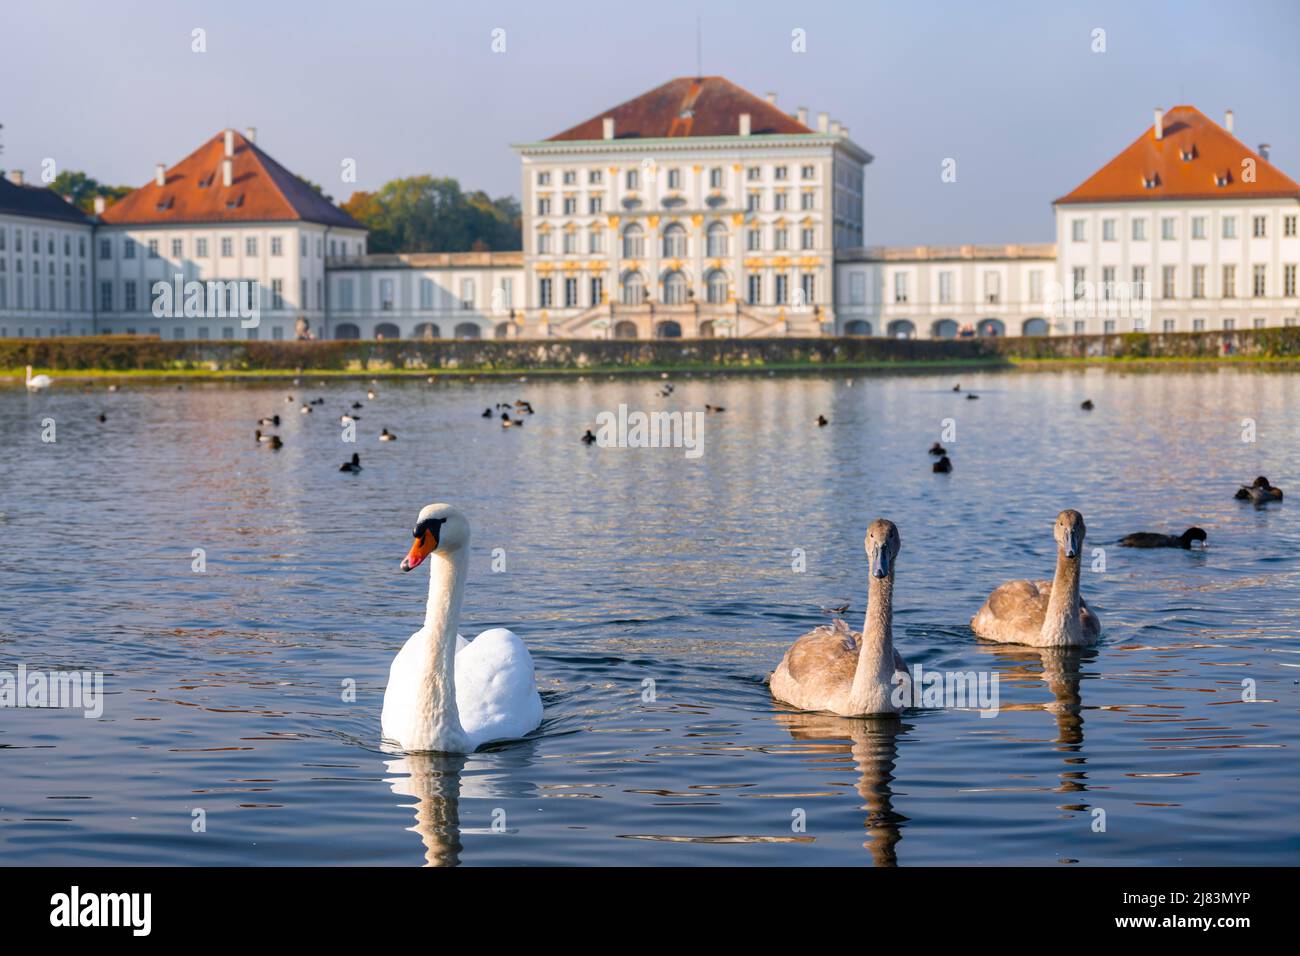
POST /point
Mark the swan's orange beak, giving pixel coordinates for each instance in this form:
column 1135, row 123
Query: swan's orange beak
column 421, row 549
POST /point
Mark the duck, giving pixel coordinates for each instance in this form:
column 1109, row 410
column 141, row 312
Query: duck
column 446, row 694
column 112, row 388
column 262, row 439
column 370, row 394
column 524, row 406
column 957, row 387
column 276, row 444
column 589, row 438
column 273, row 420
column 102, row 418
column 1087, row 405
column 357, row 405
column 1259, row 491
column 346, row 419
column 1149, row 539
column 834, row 669
column 487, row 413
column 352, row 466
column 822, row 421
column 937, row 449
column 36, row 383
column 305, row 410
column 508, row 422
column 972, row 397
column 386, row 435
column 288, row 399
column 942, row 466
column 1044, row 613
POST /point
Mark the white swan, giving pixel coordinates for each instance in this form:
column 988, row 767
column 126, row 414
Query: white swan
column 833, row 669
column 37, row 382
column 444, row 694
column 1044, row 613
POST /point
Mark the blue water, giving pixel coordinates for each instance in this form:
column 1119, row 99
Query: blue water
column 225, row 690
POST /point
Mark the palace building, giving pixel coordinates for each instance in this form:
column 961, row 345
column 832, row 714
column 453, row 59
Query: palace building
column 696, row 209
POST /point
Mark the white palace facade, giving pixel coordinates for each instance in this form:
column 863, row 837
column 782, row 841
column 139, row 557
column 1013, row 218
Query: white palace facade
column 694, row 210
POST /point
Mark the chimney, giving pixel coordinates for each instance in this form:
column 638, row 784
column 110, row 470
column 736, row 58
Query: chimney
column 607, row 127
column 771, row 98
column 744, row 124
column 100, row 205
column 823, row 122
column 1263, row 150
column 250, row 133
column 1227, row 121
column 844, row 131
column 230, row 142
column 801, row 114
column 1160, row 123
column 16, row 177
column 160, row 174
column 227, row 172
column 835, row 127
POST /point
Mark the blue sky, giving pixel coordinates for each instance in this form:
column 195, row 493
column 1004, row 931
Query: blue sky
column 1011, row 90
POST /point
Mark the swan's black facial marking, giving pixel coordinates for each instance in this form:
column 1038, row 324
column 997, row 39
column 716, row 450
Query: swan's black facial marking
column 431, row 526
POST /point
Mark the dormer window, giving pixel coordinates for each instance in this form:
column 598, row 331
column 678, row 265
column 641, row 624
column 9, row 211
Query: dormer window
column 1188, row 154
column 1223, row 178
column 235, row 202
column 207, row 181
column 165, row 203
column 1151, row 181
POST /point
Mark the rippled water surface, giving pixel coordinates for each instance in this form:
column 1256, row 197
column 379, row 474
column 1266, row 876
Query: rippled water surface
column 656, row 593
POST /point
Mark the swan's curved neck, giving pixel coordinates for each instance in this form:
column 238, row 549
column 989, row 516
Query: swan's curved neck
column 876, row 657
column 436, row 696
column 1061, row 621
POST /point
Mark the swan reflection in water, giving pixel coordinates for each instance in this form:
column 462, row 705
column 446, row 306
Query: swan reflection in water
column 439, row 781
column 1060, row 668
column 872, row 744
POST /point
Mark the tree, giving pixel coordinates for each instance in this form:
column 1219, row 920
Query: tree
column 428, row 214
column 81, row 189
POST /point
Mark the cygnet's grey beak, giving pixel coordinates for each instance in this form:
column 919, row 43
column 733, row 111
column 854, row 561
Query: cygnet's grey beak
column 1072, row 543
column 881, row 569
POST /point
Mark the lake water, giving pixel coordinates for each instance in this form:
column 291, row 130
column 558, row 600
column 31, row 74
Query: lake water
column 656, row 593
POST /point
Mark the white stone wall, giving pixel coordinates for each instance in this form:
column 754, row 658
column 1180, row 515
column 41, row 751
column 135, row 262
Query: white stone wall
column 35, row 253
column 1197, row 240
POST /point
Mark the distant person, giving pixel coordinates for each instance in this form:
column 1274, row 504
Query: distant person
column 302, row 329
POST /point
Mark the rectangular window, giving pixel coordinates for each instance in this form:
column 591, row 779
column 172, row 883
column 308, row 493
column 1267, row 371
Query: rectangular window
column 250, row 246
column 1079, row 230
column 1198, row 282
column 543, row 243
column 1079, row 275
column 1261, row 283
column 715, row 177
column 808, row 238
column 754, row 173
column 277, row 332
column 387, row 295
column 945, row 288
column 754, row 289
column 153, row 248
column 1259, row 227
column 1108, row 326
column 857, row 288
column 1229, row 281
column 571, row 292
column 345, row 294
column 544, row 293
column 1288, row 226
column 595, row 205
column 1288, row 280
column 1229, row 227
column 674, row 179
column 595, row 177
column 543, row 179
column 1108, row 230
column 754, row 202
column 227, row 247
column 632, row 179
column 569, row 242
column 1167, row 325
column 277, row 293
column 1168, row 277
column 780, row 239
column 302, row 294
column 596, row 241
column 128, row 296
column 1108, row 282
column 809, row 286
column 128, row 248
column 1139, row 230
column 1168, row 228
column 1036, row 286
column 597, row 289
column 1139, row 282
column 178, row 248
column 105, row 295
column 426, row 293
column 1198, row 227
column 781, row 172
column 302, row 247
column 570, row 205
column 808, row 200
column 569, row 177
column 467, row 296
column 201, row 248
column 1079, row 327
column 754, row 240
column 782, row 289
column 1198, row 325
column 780, row 199
column 105, row 247
column 992, row 287
column 900, row 286
column 1229, row 324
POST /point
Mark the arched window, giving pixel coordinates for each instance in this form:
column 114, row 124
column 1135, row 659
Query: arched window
column 625, row 330
column 1034, row 326
column 502, row 330
column 706, row 329
column 943, row 329
column 427, row 331
column 718, row 240
column 468, row 330
column 633, row 242
column 901, row 329
column 717, row 286
column 633, row 288
column 668, row 329
column 675, row 289
column 675, row 241
column 992, row 328
column 387, row 330
column 857, row 327
column 346, row 330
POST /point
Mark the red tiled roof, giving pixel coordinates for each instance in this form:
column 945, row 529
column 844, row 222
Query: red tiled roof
column 261, row 190
column 1215, row 155
column 688, row 106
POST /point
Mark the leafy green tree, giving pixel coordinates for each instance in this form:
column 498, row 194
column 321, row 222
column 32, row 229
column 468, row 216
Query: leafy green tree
column 81, row 189
column 428, row 214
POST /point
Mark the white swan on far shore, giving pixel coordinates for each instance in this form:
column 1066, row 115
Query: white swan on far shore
column 833, row 669
column 1044, row 613
column 37, row 382
column 445, row 695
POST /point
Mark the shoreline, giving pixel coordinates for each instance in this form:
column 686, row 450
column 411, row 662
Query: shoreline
column 14, row 377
